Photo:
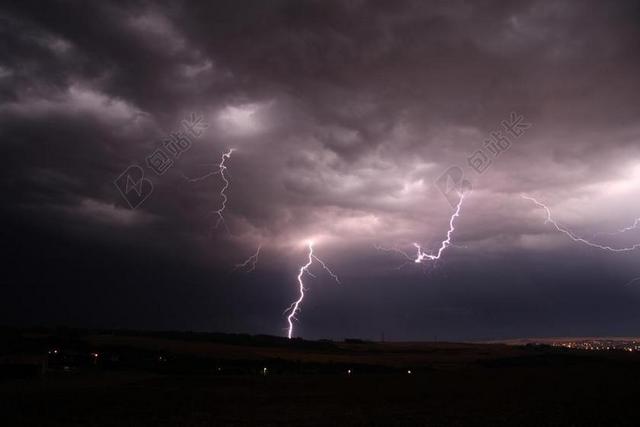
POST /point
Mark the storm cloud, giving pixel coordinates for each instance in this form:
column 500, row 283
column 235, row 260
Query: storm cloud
column 343, row 115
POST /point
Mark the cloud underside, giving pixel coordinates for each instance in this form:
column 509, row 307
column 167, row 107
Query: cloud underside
column 342, row 115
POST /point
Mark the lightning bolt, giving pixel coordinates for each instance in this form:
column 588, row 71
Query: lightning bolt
column 250, row 263
column 304, row 269
column 397, row 250
column 633, row 226
column 393, row 249
column 222, row 167
column 333, row 276
column 201, row 178
column 573, row 236
column 421, row 255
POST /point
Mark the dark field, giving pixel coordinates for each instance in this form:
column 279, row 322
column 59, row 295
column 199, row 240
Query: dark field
column 204, row 380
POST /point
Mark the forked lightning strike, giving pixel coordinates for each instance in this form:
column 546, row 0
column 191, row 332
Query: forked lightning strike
column 421, row 256
column 250, row 263
column 295, row 306
column 221, row 168
column 223, row 194
column 576, row 238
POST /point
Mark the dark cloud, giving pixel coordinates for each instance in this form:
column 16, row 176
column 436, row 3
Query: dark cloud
column 342, row 114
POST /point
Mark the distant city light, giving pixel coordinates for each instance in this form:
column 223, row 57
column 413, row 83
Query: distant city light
column 600, row 345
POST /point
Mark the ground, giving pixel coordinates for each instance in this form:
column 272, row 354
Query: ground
column 449, row 384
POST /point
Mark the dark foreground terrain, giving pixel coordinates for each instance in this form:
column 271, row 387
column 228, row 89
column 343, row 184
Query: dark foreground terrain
column 136, row 379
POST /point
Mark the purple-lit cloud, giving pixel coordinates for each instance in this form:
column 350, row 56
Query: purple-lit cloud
column 342, row 116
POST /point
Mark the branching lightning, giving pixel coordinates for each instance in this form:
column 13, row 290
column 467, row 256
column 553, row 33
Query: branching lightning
column 294, row 308
column 201, row 178
column 421, row 255
column 223, row 194
column 250, row 263
column 634, row 226
column 574, row 237
column 220, row 170
column 333, row 276
column 399, row 251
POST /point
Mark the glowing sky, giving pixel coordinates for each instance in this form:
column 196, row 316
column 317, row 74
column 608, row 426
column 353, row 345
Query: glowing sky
column 342, row 116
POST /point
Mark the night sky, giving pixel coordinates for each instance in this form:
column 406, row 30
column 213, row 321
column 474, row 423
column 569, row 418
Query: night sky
column 344, row 117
